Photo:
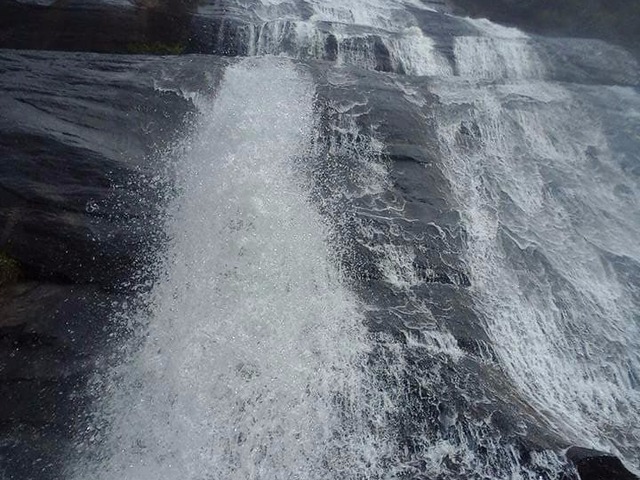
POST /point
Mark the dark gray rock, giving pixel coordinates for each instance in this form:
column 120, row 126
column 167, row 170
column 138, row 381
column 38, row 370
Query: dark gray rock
column 83, row 179
column 79, row 182
column 50, row 338
column 596, row 465
column 106, row 27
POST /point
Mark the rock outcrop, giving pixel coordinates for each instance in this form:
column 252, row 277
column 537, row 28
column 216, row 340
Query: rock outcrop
column 596, row 465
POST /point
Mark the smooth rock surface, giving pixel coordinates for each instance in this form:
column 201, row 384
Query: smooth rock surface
column 81, row 196
column 595, row 465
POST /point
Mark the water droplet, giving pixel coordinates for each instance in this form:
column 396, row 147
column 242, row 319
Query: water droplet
column 91, row 206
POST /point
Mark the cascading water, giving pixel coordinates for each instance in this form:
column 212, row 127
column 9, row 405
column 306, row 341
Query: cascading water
column 253, row 359
column 404, row 260
column 551, row 213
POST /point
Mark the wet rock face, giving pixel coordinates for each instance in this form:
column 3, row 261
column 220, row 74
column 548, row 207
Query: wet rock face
column 617, row 20
column 78, row 189
column 49, row 338
column 137, row 27
column 109, row 27
column 595, row 465
column 80, row 139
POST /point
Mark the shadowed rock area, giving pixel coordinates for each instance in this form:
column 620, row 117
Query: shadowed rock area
column 49, row 337
column 595, row 465
column 152, row 27
column 73, row 248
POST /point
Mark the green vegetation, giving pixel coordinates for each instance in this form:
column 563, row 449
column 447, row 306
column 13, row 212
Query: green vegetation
column 10, row 271
column 156, row 48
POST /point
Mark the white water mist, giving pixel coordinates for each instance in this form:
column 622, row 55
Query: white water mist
column 252, row 366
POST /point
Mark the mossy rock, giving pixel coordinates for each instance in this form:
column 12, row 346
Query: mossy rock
column 10, row 270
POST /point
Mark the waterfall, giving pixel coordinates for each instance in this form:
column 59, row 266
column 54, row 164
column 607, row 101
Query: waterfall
column 551, row 236
column 253, row 355
column 400, row 244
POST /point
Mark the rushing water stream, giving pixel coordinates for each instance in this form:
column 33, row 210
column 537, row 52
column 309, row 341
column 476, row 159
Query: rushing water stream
column 399, row 244
column 253, row 365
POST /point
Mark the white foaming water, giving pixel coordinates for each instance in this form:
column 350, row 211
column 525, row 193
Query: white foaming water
column 450, row 452
column 388, row 15
column 501, row 53
column 538, row 194
column 410, row 51
column 418, row 55
column 358, row 29
column 252, row 365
